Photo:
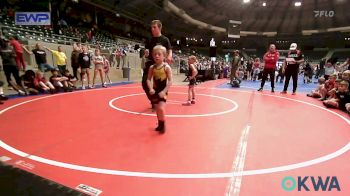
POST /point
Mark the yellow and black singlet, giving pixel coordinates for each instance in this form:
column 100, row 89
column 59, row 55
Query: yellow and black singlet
column 160, row 79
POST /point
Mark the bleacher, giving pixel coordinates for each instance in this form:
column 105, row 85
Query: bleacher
column 68, row 36
column 36, row 33
column 314, row 56
column 255, row 54
column 341, row 55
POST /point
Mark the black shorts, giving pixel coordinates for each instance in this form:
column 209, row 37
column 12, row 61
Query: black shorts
column 155, row 99
column 192, row 82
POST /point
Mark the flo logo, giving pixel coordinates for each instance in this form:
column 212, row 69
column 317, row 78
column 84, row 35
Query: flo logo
column 324, row 13
column 330, row 183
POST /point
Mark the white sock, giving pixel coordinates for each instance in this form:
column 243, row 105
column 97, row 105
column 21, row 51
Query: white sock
column 59, row 84
column 1, row 91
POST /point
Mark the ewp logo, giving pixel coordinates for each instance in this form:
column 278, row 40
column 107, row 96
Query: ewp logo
column 33, row 18
column 289, row 183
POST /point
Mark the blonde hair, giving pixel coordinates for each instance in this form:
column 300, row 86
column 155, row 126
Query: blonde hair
column 192, row 57
column 345, row 83
column 158, row 23
column 334, row 76
column 39, row 74
column 321, row 80
column 159, row 48
column 347, row 72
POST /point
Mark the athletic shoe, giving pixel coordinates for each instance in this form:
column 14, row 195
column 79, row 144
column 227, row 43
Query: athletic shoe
column 309, row 95
column 272, row 90
column 104, row 86
column 161, row 129
column 284, row 92
column 260, row 89
column 188, row 103
column 3, row 97
column 82, row 87
column 294, row 93
column 327, row 105
column 193, row 101
column 22, row 93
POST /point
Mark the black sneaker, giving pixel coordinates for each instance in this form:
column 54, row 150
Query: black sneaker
column 260, row 89
column 161, row 129
column 326, row 104
column 272, row 90
column 3, row 97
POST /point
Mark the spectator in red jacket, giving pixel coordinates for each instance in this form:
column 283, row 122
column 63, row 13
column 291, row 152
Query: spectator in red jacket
column 19, row 53
column 271, row 57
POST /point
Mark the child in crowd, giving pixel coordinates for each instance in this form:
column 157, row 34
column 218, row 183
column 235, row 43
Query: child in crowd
column 162, row 80
column 346, row 76
column 317, row 93
column 256, row 69
column 308, row 72
column 331, row 93
column 59, row 82
column 71, row 79
column 342, row 97
column 328, row 86
column 28, row 84
column 106, row 66
column 84, row 62
column 192, row 73
column 329, row 69
column 42, row 83
column 99, row 64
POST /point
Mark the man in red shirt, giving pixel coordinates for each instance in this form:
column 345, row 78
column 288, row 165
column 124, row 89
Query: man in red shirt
column 271, row 57
column 19, row 53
